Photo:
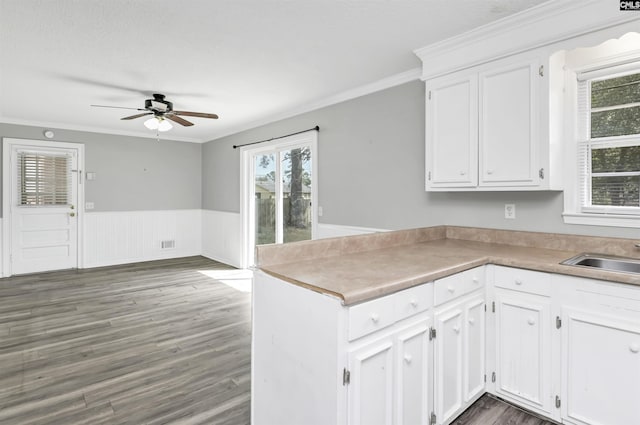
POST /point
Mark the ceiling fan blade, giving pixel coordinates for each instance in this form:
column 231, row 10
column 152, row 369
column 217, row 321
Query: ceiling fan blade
column 118, row 107
column 132, row 117
column 179, row 120
column 196, row 114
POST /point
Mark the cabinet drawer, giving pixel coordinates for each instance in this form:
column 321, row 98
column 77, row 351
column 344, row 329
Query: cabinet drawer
column 523, row 280
column 454, row 286
column 371, row 316
column 413, row 301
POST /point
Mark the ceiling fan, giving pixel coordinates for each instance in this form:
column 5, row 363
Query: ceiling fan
column 162, row 110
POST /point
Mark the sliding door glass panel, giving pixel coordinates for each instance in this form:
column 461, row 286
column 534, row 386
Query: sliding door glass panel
column 296, row 194
column 265, row 199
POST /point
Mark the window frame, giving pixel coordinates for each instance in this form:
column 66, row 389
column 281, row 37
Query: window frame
column 578, row 130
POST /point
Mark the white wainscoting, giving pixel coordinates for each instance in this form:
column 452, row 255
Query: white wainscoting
column 336, row 230
column 121, row 237
column 222, row 236
column 1, row 271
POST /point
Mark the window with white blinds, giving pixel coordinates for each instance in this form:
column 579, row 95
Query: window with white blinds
column 609, row 140
column 43, row 179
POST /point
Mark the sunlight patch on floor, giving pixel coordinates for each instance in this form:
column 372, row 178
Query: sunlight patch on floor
column 238, row 279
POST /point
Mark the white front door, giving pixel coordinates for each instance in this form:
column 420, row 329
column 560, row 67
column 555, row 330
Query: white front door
column 43, row 207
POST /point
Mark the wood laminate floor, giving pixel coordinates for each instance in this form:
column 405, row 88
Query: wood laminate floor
column 162, row 342
column 148, row 343
column 489, row 410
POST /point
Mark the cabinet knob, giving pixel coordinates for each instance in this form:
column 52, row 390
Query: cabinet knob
column 475, row 280
column 489, row 171
column 414, row 303
column 408, row 359
column 462, row 173
column 634, row 348
column 375, row 318
column 472, row 320
column 518, row 282
column 456, row 329
column 451, row 289
column 531, row 321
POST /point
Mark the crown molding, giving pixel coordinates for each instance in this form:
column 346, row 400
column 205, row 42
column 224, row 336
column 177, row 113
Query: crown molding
column 544, row 25
column 383, row 84
column 72, row 127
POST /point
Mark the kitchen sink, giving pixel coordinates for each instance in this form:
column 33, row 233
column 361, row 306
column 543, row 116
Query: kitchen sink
column 605, row 262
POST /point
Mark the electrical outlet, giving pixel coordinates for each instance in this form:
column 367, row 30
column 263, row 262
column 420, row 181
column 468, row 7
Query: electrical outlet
column 88, row 205
column 320, row 211
column 510, row 211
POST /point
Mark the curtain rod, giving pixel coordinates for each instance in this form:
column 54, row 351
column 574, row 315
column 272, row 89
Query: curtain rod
column 316, row 128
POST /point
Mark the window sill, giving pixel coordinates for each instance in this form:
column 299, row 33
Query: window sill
column 612, row 220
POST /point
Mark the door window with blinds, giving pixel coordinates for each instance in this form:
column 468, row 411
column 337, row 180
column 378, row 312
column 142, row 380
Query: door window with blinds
column 609, row 145
column 44, row 179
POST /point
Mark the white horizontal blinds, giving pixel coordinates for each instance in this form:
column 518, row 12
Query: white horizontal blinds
column 43, row 178
column 584, row 146
column 609, row 143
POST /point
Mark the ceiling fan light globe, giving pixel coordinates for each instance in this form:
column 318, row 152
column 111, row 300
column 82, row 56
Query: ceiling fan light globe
column 152, row 123
column 164, row 125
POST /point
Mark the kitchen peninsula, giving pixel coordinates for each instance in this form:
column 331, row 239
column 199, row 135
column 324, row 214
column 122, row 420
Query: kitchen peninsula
column 412, row 326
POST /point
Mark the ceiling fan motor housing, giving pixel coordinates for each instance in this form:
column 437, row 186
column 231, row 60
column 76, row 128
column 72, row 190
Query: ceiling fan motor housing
column 158, row 104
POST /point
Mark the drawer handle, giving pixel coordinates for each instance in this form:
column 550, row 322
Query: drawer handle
column 472, row 320
column 531, row 321
column 408, row 359
column 413, row 303
column 456, row 329
column 451, row 289
column 518, row 282
column 375, row 318
column 634, row 348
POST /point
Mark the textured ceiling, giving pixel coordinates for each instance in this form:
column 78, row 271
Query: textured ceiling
column 247, row 61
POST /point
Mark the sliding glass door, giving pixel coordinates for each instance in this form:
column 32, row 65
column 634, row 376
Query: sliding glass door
column 280, row 192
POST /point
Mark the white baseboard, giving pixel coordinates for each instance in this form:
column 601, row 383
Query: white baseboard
column 336, row 230
column 131, row 236
column 222, row 236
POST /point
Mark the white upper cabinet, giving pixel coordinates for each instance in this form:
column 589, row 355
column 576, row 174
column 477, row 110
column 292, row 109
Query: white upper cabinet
column 487, row 127
column 452, row 132
column 508, row 133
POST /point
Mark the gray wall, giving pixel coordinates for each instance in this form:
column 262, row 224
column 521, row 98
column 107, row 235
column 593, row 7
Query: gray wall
column 133, row 173
column 371, row 172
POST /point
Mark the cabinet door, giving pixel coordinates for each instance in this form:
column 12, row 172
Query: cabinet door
column 371, row 387
column 448, row 363
column 509, row 128
column 474, row 337
column 523, row 349
column 601, row 369
column 413, row 383
column 452, row 132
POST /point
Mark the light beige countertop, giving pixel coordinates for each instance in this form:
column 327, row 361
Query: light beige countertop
column 361, row 268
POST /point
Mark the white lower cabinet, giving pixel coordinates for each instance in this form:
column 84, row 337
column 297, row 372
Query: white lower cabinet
column 567, row 348
column 523, row 349
column 459, row 356
column 600, row 353
column 522, row 352
column 448, row 363
column 390, row 378
column 414, row 375
column 371, row 389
